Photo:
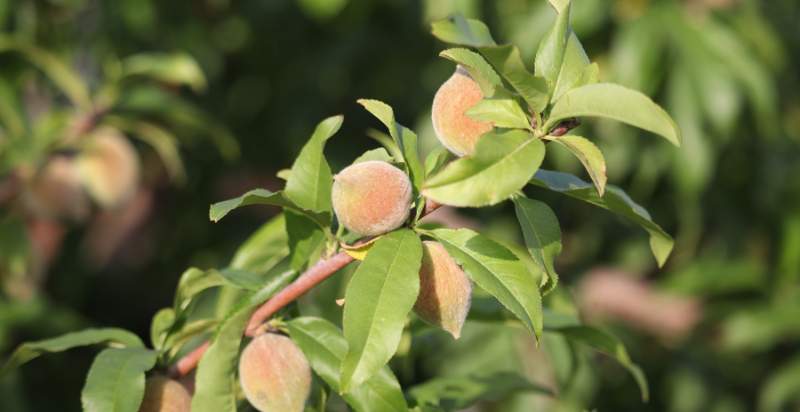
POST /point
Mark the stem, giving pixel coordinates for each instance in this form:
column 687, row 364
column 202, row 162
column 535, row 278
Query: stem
column 321, row 270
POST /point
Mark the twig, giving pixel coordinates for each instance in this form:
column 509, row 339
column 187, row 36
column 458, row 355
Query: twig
column 322, row 270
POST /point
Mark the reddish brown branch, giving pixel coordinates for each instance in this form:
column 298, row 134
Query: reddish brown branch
column 312, row 277
column 564, row 127
column 322, row 270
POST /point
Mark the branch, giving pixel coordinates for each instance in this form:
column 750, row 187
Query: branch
column 321, row 270
column 564, row 127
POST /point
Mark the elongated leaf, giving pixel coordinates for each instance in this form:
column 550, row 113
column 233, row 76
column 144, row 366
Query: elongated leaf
column 590, row 156
column 380, row 295
column 175, row 68
column 507, row 60
column 502, row 112
column 160, row 139
column 375, row 154
column 460, row 392
column 264, row 248
column 116, row 380
column 32, row 350
column 215, row 382
column 615, row 102
column 782, row 387
column 263, row 197
column 550, row 55
column 576, row 69
column 403, row 136
column 498, row 271
column 461, row 31
column 59, row 73
column 542, row 235
column 305, row 239
column 478, row 68
column 192, row 282
column 309, row 185
column 502, row 164
column 614, row 200
column 160, row 325
column 325, row 347
column 609, row 345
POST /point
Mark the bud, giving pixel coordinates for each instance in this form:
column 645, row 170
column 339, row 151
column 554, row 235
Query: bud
column 109, row 167
column 162, row 394
column 444, row 291
column 275, row 374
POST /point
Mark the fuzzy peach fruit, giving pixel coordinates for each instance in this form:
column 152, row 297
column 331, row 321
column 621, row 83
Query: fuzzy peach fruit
column 444, row 290
column 372, row 197
column 456, row 131
column 275, row 374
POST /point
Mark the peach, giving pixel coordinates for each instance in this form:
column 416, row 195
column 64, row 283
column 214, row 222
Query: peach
column 275, row 374
column 162, row 394
column 455, row 130
column 109, row 167
column 56, row 191
column 445, row 291
column 371, row 198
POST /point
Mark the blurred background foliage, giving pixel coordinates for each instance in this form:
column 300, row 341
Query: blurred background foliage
column 121, row 121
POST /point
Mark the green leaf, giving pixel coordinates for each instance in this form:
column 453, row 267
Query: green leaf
column 466, row 32
column 32, row 350
column 309, row 185
column 614, row 200
column 215, row 382
column 477, row 67
column 390, row 145
column 59, row 73
column 576, row 69
column 380, row 294
column 305, row 239
column 590, row 156
column 115, row 382
column 264, row 248
column 502, row 164
column 403, row 136
column 607, row 344
column 160, row 326
column 436, row 159
column 782, row 387
column 542, row 235
column 507, row 60
column 325, row 347
column 263, row 197
column 498, row 271
column 502, row 112
column 379, row 154
column 461, row 392
column 550, row 56
column 615, row 102
column 192, row 282
column 174, row 68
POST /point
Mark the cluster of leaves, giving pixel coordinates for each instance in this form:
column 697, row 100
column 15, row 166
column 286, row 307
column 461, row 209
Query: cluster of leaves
column 528, row 111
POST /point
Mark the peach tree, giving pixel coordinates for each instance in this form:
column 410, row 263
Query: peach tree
column 405, row 276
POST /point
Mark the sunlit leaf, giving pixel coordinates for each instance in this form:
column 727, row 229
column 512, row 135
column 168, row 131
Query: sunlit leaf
column 615, row 102
column 379, row 296
column 542, row 235
column 502, row 164
column 590, row 157
column 614, row 200
column 115, row 382
column 461, row 31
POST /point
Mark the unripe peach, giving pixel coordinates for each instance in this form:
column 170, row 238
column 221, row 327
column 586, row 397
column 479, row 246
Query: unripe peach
column 109, row 167
column 456, row 131
column 371, row 197
column 275, row 374
column 444, row 290
column 162, row 394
